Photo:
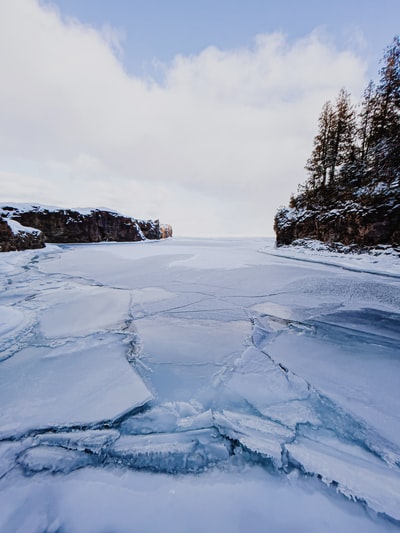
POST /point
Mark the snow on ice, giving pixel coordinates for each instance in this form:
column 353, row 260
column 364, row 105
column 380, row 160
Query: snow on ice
column 192, row 385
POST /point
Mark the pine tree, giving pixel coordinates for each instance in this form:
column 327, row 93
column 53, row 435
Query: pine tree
column 333, row 145
column 351, row 151
column 319, row 162
column 366, row 127
column 385, row 136
column 342, row 150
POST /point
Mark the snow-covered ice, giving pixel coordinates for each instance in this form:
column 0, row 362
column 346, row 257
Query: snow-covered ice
column 199, row 384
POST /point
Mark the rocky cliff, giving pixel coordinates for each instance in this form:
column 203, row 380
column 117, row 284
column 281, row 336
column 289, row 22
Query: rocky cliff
column 370, row 220
column 14, row 237
column 72, row 226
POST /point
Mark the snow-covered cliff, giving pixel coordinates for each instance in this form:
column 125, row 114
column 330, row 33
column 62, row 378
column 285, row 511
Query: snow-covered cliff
column 364, row 219
column 29, row 226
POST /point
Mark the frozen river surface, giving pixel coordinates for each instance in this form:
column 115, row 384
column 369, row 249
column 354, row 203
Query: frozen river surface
column 198, row 385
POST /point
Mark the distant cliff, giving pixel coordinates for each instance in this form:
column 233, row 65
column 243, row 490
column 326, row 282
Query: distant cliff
column 30, row 226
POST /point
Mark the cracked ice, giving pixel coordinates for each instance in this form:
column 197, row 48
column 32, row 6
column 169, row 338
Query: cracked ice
column 198, row 385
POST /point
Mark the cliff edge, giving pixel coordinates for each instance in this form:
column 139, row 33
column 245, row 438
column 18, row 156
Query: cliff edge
column 25, row 226
column 361, row 221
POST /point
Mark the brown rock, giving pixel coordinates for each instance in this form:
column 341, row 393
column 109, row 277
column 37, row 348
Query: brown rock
column 72, row 226
column 166, row 231
column 352, row 224
column 12, row 241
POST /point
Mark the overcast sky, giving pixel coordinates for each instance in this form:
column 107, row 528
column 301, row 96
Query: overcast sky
column 200, row 113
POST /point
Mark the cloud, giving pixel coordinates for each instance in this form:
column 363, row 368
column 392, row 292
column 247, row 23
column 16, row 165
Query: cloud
column 216, row 147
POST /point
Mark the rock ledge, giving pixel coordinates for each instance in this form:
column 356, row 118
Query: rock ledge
column 24, row 226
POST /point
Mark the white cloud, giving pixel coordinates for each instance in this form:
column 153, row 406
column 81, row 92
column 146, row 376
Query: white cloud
column 115, row 38
column 216, row 148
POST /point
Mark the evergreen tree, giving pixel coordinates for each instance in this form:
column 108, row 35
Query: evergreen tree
column 385, row 137
column 344, row 128
column 352, row 151
column 319, row 162
column 365, row 130
column 333, row 145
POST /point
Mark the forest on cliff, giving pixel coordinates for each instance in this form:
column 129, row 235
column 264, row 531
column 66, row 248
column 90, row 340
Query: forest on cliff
column 355, row 162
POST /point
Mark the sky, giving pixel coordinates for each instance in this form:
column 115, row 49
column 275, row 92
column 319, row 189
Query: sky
column 199, row 113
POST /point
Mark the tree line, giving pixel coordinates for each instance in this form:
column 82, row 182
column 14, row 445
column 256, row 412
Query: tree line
column 357, row 148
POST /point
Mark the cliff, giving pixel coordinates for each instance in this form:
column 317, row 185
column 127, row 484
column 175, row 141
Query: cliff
column 362, row 219
column 72, row 226
column 14, row 237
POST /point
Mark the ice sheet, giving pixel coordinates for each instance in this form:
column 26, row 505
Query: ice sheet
column 78, row 386
column 274, row 380
column 93, row 500
column 368, row 479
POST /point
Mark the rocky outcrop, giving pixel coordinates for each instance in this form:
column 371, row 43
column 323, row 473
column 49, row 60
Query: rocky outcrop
column 166, row 231
column 81, row 226
column 367, row 224
column 14, row 237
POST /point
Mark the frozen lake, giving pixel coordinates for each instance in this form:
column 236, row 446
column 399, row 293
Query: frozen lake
column 195, row 385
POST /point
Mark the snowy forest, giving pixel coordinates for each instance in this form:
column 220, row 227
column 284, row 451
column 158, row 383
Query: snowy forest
column 356, row 154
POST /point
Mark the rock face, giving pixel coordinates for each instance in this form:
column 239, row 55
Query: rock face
column 78, row 226
column 349, row 225
column 14, row 237
column 166, row 231
column 373, row 221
